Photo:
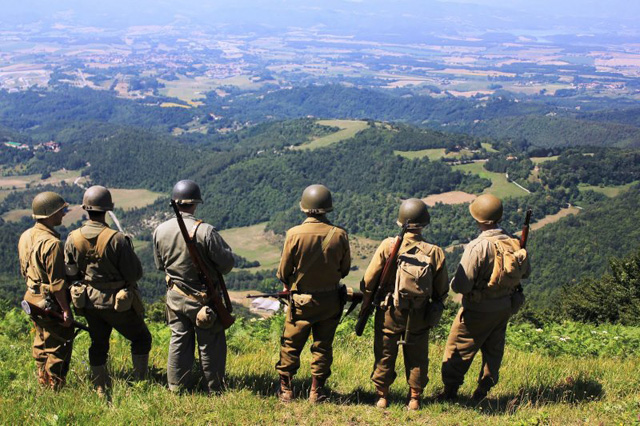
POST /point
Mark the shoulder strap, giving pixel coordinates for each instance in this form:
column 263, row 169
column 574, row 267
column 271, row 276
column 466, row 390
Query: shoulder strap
column 83, row 245
column 316, row 255
column 194, row 229
column 103, row 239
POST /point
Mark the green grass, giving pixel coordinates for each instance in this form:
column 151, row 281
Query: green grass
column 610, row 191
column 537, row 386
column 20, row 182
column 499, row 184
column 128, row 199
column 488, row 147
column 252, row 243
column 540, row 160
column 434, row 154
column 348, row 129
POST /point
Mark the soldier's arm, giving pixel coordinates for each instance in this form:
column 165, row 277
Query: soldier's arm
column 157, row 258
column 440, row 277
column 285, row 268
column 127, row 260
column 374, row 270
column 54, row 268
column 219, row 252
column 467, row 272
column 345, row 263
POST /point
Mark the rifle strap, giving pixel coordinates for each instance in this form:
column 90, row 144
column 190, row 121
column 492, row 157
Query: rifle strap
column 316, row 255
column 194, row 230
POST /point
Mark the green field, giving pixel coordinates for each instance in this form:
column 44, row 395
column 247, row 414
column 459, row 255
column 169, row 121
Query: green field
column 21, row 182
column 192, row 89
column 609, row 191
column 499, row 184
column 488, row 147
column 541, row 382
column 540, row 160
column 348, row 129
column 128, row 199
column 253, row 243
column 433, row 154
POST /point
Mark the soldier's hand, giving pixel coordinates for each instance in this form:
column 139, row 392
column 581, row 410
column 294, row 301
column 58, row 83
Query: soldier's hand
column 67, row 316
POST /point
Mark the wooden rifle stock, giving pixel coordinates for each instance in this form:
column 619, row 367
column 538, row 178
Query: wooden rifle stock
column 33, row 310
column 223, row 312
column 525, row 229
column 370, row 300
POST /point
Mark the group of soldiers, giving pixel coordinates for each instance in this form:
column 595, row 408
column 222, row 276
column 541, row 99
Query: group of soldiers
column 96, row 272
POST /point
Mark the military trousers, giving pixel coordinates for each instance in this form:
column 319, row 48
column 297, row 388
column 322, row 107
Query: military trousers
column 212, row 345
column 390, row 328
column 129, row 324
column 52, row 347
column 317, row 315
column 474, row 331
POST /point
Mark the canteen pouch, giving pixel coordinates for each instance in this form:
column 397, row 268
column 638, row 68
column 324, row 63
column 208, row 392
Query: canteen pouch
column 205, row 318
column 301, row 300
column 434, row 313
column 79, row 296
column 123, row 300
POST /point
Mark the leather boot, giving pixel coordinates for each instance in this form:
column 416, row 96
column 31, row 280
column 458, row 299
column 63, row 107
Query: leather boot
column 414, row 399
column 450, row 393
column 480, row 393
column 383, row 397
column 318, row 392
column 140, row 366
column 100, row 379
column 285, row 393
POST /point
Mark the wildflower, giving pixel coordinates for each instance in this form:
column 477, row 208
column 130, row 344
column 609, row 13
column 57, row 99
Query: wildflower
column 604, row 332
column 616, row 338
column 562, row 339
column 539, row 330
column 594, row 332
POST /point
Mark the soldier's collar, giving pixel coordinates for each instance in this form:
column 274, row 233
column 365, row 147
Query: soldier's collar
column 492, row 232
column 186, row 215
column 316, row 219
column 42, row 227
column 95, row 223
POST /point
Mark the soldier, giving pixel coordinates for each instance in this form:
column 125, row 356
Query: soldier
column 481, row 322
column 188, row 313
column 42, row 266
column 315, row 257
column 405, row 316
column 103, row 269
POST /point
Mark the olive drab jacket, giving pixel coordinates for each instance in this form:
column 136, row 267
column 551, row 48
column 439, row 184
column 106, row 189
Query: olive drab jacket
column 300, row 246
column 172, row 256
column 42, row 259
column 474, row 271
column 374, row 270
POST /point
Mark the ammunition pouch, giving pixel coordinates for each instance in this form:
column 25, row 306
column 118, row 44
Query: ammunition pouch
column 205, row 318
column 124, row 300
column 79, row 297
column 301, row 300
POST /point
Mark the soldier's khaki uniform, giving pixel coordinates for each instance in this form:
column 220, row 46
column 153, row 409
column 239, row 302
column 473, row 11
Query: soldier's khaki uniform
column 481, row 322
column 109, row 264
column 42, row 265
column 317, row 304
column 186, row 296
column 391, row 323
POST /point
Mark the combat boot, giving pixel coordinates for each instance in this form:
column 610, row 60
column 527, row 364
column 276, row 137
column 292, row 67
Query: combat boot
column 285, row 394
column 318, row 392
column 100, row 379
column 450, row 393
column 140, row 366
column 480, row 393
column 383, row 397
column 414, row 399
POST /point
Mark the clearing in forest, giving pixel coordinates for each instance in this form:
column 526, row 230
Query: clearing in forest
column 21, row 182
column 128, row 199
column 539, row 160
column 254, row 243
column 348, row 129
column 451, row 197
column 610, row 191
column 433, row 154
column 554, row 217
column 500, row 186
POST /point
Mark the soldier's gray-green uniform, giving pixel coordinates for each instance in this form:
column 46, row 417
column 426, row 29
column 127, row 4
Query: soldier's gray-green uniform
column 481, row 322
column 315, row 257
column 108, row 264
column 186, row 296
column 42, row 266
column 393, row 324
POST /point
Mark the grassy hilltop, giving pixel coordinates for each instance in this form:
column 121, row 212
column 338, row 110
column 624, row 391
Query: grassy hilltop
column 562, row 374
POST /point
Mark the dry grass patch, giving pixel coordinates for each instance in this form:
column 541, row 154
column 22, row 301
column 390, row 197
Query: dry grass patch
column 348, row 129
column 451, row 197
column 128, row 199
column 253, row 243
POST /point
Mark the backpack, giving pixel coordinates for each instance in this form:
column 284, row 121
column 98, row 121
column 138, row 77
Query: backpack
column 510, row 263
column 414, row 277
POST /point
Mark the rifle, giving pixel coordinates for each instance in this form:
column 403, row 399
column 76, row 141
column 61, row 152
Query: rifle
column 525, row 229
column 222, row 309
column 34, row 310
column 381, row 289
column 115, row 221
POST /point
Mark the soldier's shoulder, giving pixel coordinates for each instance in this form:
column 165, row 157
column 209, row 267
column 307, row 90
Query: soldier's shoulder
column 477, row 244
column 167, row 224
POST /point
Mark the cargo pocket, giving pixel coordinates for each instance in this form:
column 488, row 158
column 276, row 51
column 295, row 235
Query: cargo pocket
column 124, row 300
column 79, row 296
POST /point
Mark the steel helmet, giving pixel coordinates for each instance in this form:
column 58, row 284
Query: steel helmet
column 97, row 199
column 46, row 204
column 415, row 211
column 186, row 192
column 486, row 209
column 316, row 199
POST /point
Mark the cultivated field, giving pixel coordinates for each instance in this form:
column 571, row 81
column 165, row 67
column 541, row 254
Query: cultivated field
column 499, row 184
column 432, row 154
column 609, row 191
column 539, row 160
column 348, row 129
column 21, row 182
column 128, row 199
column 554, row 217
column 452, row 197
